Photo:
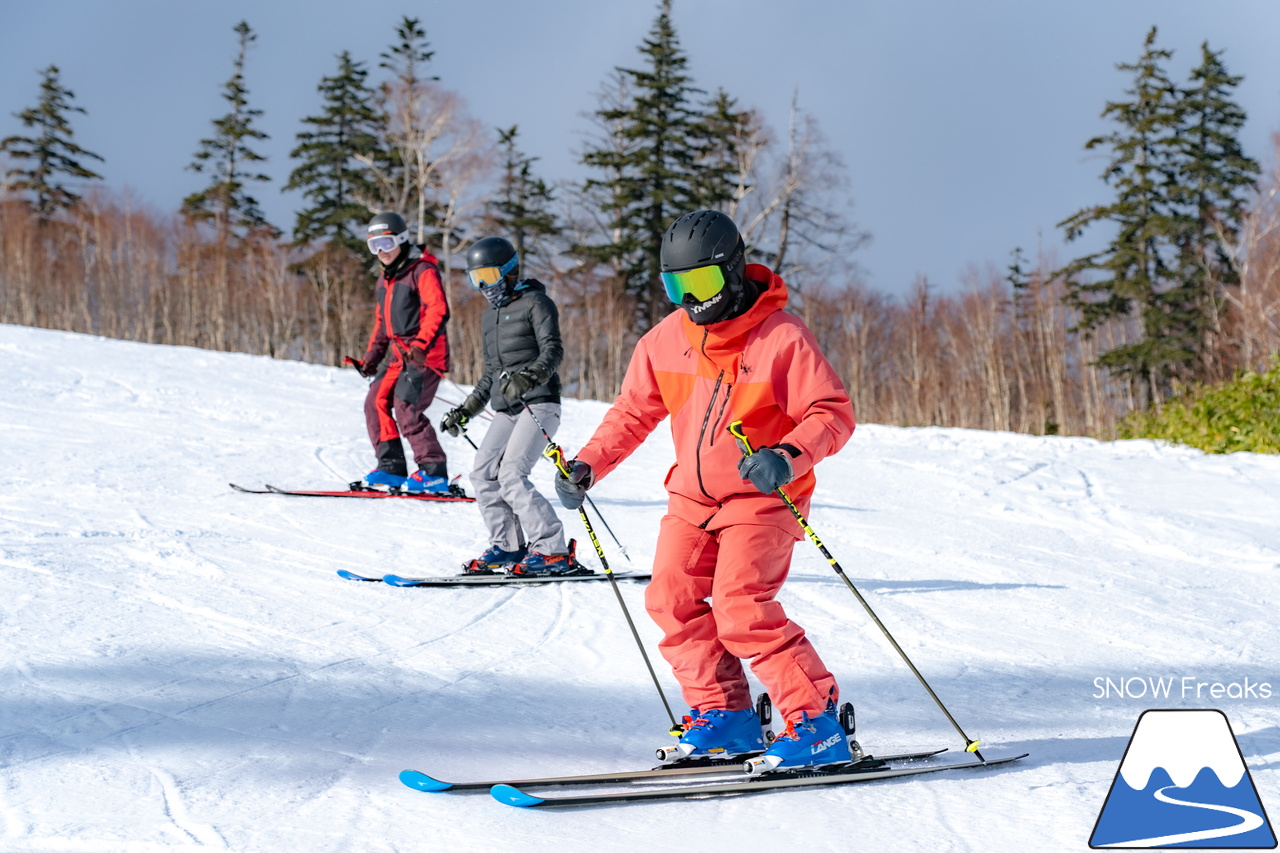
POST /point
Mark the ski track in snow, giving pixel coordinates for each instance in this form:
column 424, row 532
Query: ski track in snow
column 184, row 670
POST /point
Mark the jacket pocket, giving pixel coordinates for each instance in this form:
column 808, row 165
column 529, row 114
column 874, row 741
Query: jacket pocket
column 409, row 384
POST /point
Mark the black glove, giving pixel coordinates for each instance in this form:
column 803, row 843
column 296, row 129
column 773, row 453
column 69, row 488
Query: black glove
column 455, row 421
column 518, row 384
column 573, row 489
column 767, row 469
column 358, row 365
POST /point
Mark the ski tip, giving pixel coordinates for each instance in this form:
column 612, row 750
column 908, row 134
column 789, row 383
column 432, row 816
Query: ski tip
column 396, row 580
column 352, row 576
column 422, row 782
column 514, row 797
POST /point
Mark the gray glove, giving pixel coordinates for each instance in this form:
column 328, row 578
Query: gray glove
column 767, row 469
column 572, row 490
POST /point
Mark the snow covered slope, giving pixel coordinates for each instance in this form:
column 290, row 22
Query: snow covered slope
column 182, row 669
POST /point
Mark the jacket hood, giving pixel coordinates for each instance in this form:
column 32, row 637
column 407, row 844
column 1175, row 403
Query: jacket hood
column 405, row 262
column 527, row 284
column 722, row 342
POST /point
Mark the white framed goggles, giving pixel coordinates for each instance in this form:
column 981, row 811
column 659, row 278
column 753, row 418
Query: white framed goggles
column 387, row 242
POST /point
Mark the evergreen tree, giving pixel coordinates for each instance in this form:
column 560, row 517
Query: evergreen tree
column 228, row 157
column 1215, row 171
column 522, row 211
column 719, row 135
column 330, row 177
column 1136, row 270
column 51, row 150
column 650, row 167
column 407, row 54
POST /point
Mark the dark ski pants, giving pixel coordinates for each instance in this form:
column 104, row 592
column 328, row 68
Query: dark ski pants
column 396, row 404
column 713, row 596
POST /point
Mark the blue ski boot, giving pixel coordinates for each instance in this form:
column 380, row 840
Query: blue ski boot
column 493, row 561
column 808, row 742
column 716, row 734
column 422, row 483
column 540, row 565
column 379, row 479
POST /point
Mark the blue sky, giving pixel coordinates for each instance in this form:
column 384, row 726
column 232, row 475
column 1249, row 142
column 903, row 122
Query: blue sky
column 961, row 124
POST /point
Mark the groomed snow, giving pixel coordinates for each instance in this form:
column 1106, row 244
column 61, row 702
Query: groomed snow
column 183, row 669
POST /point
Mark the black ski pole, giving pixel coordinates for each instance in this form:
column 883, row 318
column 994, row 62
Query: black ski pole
column 735, row 429
column 556, row 455
column 590, row 502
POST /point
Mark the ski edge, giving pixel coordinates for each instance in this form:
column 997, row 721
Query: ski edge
column 362, row 493
column 506, row 580
column 420, row 781
column 352, row 576
column 512, row 796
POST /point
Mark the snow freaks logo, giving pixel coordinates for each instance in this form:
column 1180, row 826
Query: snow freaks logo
column 1183, row 783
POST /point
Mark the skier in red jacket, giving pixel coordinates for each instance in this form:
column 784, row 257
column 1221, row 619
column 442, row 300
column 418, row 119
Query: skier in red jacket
column 409, row 319
column 724, row 546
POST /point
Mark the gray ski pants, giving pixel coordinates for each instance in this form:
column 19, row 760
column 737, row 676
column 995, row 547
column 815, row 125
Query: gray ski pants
column 515, row 512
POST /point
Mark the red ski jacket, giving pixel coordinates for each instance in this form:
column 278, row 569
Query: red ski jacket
column 763, row 368
column 410, row 311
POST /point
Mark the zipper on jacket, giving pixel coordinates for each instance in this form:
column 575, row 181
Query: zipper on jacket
column 724, row 405
column 706, row 417
column 728, row 389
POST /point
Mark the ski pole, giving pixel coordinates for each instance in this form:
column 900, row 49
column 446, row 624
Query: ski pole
column 590, row 502
column 556, row 455
column 484, row 413
column 744, row 444
column 594, row 508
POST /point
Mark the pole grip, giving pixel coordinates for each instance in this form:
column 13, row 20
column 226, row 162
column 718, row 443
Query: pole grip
column 556, row 455
column 744, row 444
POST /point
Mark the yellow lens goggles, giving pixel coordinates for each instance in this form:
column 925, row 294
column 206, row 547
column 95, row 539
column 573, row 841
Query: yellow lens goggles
column 489, row 276
column 701, row 283
column 485, row 276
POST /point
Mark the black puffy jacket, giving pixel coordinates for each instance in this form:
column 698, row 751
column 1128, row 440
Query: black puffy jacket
column 523, row 333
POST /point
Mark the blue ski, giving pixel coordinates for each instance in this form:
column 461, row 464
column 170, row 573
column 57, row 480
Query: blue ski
column 842, row 775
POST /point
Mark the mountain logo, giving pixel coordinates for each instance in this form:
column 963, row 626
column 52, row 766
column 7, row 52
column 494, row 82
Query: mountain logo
column 1183, row 783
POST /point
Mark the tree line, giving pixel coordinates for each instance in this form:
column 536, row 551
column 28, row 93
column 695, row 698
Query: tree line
column 1185, row 291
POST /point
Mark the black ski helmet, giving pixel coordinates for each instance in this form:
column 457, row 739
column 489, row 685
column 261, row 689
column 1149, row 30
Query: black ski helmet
column 383, row 226
column 489, row 252
column 490, row 263
column 705, row 238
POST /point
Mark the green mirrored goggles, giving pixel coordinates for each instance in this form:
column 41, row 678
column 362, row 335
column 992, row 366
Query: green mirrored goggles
column 701, row 283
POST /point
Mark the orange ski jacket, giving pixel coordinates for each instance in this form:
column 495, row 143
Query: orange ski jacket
column 763, row 368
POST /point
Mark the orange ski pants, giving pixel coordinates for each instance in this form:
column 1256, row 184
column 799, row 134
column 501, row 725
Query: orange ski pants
column 712, row 594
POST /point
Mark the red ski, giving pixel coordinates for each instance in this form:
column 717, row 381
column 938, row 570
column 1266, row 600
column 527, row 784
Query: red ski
column 357, row 490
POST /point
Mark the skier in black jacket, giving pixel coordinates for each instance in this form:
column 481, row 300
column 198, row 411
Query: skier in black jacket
column 522, row 350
